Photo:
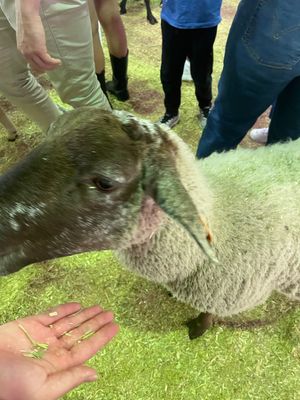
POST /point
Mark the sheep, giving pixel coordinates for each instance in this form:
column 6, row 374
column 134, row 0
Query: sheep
column 221, row 234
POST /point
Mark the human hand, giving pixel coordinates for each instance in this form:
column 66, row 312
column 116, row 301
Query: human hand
column 72, row 335
column 31, row 42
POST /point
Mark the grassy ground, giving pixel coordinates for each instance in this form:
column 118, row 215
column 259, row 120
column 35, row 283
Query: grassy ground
column 152, row 358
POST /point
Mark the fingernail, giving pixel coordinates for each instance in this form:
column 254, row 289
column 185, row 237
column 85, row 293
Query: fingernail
column 92, row 378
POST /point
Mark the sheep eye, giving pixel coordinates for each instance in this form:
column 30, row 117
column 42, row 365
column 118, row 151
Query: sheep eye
column 103, row 184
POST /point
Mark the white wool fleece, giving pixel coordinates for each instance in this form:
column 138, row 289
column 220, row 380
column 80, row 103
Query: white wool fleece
column 250, row 200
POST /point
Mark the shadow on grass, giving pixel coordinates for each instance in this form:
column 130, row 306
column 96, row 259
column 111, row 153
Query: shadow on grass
column 146, row 101
column 149, row 307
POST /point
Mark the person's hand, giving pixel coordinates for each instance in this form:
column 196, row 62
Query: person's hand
column 59, row 341
column 31, row 43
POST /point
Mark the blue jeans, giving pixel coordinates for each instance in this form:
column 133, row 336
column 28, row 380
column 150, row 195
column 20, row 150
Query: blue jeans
column 262, row 63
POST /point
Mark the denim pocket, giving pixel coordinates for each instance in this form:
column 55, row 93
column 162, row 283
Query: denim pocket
column 272, row 34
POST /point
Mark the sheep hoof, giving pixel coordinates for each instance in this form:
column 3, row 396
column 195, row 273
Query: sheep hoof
column 198, row 326
column 12, row 136
column 152, row 20
column 123, row 10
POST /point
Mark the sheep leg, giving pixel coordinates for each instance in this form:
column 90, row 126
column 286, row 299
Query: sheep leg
column 8, row 125
column 199, row 325
column 150, row 16
column 122, row 5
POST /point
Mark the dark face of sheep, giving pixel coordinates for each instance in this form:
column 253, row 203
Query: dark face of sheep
column 83, row 187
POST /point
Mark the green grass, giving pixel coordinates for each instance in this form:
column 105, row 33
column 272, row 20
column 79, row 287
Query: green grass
column 152, row 357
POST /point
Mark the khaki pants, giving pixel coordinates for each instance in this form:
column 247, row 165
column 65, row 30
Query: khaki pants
column 68, row 35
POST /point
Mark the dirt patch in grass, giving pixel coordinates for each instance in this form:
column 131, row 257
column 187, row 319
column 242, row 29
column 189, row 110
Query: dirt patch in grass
column 143, row 100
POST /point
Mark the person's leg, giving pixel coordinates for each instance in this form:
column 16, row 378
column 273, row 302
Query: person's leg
column 256, row 69
column 172, row 64
column 201, row 58
column 69, row 38
column 285, row 118
column 17, row 83
column 97, row 47
column 99, row 59
column 112, row 24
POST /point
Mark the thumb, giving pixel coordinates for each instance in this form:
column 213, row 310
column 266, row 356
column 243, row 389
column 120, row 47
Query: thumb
column 62, row 382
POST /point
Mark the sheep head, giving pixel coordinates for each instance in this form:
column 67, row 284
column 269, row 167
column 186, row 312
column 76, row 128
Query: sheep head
column 82, row 188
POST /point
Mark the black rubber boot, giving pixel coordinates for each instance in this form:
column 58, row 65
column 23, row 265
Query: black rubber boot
column 101, row 79
column 118, row 86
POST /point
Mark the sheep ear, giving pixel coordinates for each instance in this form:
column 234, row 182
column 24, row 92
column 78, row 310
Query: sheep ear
column 164, row 186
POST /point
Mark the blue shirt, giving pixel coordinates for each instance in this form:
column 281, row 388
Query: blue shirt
column 191, row 14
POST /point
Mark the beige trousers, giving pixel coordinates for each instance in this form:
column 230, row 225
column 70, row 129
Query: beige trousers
column 69, row 38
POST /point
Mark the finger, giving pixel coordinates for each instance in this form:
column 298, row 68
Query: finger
column 83, row 351
column 41, row 64
column 56, row 313
column 46, row 58
column 34, row 66
column 74, row 320
column 37, row 63
column 86, row 329
column 59, row 359
column 62, row 382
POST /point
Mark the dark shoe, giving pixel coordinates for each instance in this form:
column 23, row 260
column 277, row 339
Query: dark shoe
column 169, row 120
column 118, row 86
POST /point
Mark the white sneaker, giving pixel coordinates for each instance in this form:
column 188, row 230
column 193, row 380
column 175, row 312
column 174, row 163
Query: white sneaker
column 186, row 76
column 259, row 135
column 203, row 116
column 169, row 120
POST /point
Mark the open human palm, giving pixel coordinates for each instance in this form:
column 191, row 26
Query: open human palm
column 43, row 356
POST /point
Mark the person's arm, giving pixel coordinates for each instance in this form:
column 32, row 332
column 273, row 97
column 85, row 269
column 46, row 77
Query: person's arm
column 31, row 40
